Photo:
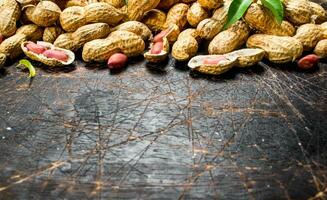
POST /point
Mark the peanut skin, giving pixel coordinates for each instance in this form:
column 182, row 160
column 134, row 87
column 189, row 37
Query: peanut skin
column 213, row 61
column 307, row 62
column 117, row 61
column 157, row 47
column 1, row 38
column 38, row 49
column 59, row 55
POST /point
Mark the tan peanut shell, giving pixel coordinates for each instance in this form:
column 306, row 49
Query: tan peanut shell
column 102, row 12
column 136, row 27
column 279, row 49
column 248, row 57
column 196, row 13
column 114, row 3
column 185, row 48
column 11, row 46
column 321, row 48
column 156, row 58
column 51, row 33
column 259, row 18
column 319, row 14
column 137, row 8
column 3, row 59
column 210, row 4
column 309, row 35
column 66, row 41
column 90, row 32
column 32, row 32
column 230, row 39
column 45, row 14
column 177, row 15
column 72, row 18
column 9, row 14
column 155, row 19
column 80, row 3
column 297, row 11
column 209, row 28
column 27, row 2
column 190, row 32
column 323, row 26
column 49, row 61
column 118, row 41
column 196, row 63
column 166, row 4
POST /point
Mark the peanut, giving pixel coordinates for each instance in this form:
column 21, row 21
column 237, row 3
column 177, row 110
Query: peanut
column 44, row 14
column 185, row 47
column 309, row 35
column 321, row 48
column 51, row 33
column 323, row 27
column 117, row 61
column 58, row 55
column 166, row 4
column 196, row 14
column 137, row 8
column 307, row 62
column 154, row 19
column 297, row 11
column 72, row 18
column 1, row 38
column 136, row 27
column 259, row 18
column 71, row 3
column 157, row 47
column 213, row 61
column 11, row 46
column 319, row 14
column 9, row 14
column 279, row 49
column 38, row 49
column 230, row 39
column 177, row 15
column 102, row 12
column 117, row 42
column 32, row 32
column 66, row 41
column 247, row 57
column 211, row 4
column 3, row 59
column 114, row 3
column 209, row 28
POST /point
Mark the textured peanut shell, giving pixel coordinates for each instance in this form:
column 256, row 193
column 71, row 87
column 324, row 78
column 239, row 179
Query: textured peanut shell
column 51, row 33
column 196, row 13
column 3, row 59
column 279, row 49
column 177, row 15
column 27, row 2
column 102, row 12
column 32, row 32
column 90, row 32
column 137, row 8
column 155, row 19
column 157, row 58
column 209, row 28
column 259, row 18
column 248, row 57
column 136, row 27
column 190, row 32
column 11, row 46
column 321, row 48
column 66, row 41
column 173, row 33
column 9, row 14
column 309, row 35
column 323, row 26
column 211, row 4
column 319, row 14
column 72, row 18
column 185, row 48
column 166, row 4
column 230, row 39
column 49, row 61
column 71, row 3
column 45, row 14
column 114, row 3
column 125, row 42
column 297, row 11
column 196, row 63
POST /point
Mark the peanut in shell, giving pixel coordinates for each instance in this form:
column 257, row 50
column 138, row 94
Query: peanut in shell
column 323, row 27
column 185, row 48
column 230, row 39
column 154, row 19
column 196, row 13
column 157, row 58
column 177, row 15
column 137, row 8
column 114, row 3
column 44, row 14
column 51, row 33
column 297, row 11
column 319, row 14
column 9, row 14
column 11, row 46
column 321, row 48
column 279, row 49
column 166, row 4
column 102, row 12
column 66, row 41
column 248, row 57
column 309, row 35
column 136, row 27
column 210, row 4
column 72, row 18
column 32, row 32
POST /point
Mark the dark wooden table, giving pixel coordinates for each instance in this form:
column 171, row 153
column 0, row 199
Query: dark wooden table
column 161, row 132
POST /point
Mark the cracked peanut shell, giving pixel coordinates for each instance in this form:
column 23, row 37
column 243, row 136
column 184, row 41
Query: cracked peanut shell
column 248, row 57
column 155, row 20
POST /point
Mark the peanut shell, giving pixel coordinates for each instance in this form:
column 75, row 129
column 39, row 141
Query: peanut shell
column 196, row 13
column 155, row 19
column 177, row 15
column 45, row 14
column 321, row 48
column 210, row 4
column 51, row 34
column 137, row 8
column 230, row 39
column 32, row 32
column 248, row 57
column 156, row 58
column 136, row 27
column 11, row 46
column 102, row 12
column 279, row 49
column 9, row 14
column 66, row 41
column 72, row 18
column 297, row 11
column 309, row 35
column 319, row 14
column 185, row 48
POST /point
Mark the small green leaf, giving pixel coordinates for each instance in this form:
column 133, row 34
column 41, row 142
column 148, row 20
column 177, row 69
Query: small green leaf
column 276, row 7
column 27, row 64
column 236, row 11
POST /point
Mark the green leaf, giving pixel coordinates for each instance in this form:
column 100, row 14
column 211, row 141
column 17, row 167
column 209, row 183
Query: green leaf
column 27, row 64
column 276, row 7
column 236, row 11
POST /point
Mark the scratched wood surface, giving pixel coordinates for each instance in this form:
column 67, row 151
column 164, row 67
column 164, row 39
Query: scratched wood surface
column 163, row 133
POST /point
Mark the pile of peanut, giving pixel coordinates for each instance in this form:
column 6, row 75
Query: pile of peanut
column 112, row 31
